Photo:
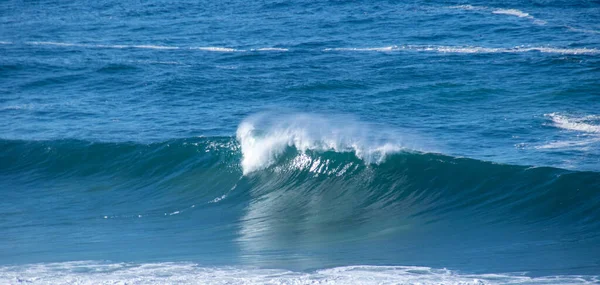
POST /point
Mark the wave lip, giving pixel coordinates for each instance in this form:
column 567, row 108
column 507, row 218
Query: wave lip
column 265, row 138
column 91, row 272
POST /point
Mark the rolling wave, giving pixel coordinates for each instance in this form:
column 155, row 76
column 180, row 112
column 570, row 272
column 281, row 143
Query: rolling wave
column 295, row 184
column 417, row 185
column 278, row 190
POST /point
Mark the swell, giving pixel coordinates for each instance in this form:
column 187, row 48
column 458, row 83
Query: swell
column 424, row 187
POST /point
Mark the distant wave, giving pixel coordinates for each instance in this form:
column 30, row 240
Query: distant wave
column 392, row 48
column 500, row 11
column 587, row 31
column 219, row 49
column 90, row 272
column 155, row 47
column 471, row 49
column 387, row 48
column 271, row 49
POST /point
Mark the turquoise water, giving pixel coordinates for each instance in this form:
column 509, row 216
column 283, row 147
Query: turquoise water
column 440, row 142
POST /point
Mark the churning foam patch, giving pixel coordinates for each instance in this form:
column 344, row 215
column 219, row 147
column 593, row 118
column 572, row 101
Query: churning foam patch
column 90, row 272
column 265, row 137
column 512, row 12
column 587, row 124
column 587, row 128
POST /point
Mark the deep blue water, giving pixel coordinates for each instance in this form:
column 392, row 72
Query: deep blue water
column 441, row 142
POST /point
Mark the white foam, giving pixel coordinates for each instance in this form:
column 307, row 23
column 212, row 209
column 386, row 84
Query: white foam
column 155, row 47
column 271, row 49
column 512, row 12
column 499, row 11
column 451, row 49
column 573, row 51
column 468, row 7
column 263, row 138
column 587, row 31
column 388, row 48
column 587, row 128
column 582, row 124
column 52, row 44
column 394, row 48
column 471, row 49
column 5, row 43
column 218, row 49
column 90, row 272
column 581, row 144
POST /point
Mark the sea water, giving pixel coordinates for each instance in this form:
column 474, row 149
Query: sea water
column 300, row 142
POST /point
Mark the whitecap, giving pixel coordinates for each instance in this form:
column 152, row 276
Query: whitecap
column 467, row 7
column 218, row 49
column 264, row 138
column 512, row 12
column 387, row 48
column 154, row 47
column 583, row 123
column 271, row 49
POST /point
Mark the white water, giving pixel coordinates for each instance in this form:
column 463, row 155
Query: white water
column 264, row 138
column 585, row 129
column 582, row 124
column 90, row 272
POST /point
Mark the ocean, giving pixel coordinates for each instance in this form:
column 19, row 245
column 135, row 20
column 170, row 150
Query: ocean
column 300, row 142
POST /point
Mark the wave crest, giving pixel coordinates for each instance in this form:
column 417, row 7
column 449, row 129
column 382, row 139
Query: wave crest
column 265, row 138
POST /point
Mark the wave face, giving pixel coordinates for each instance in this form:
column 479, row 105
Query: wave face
column 326, row 206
